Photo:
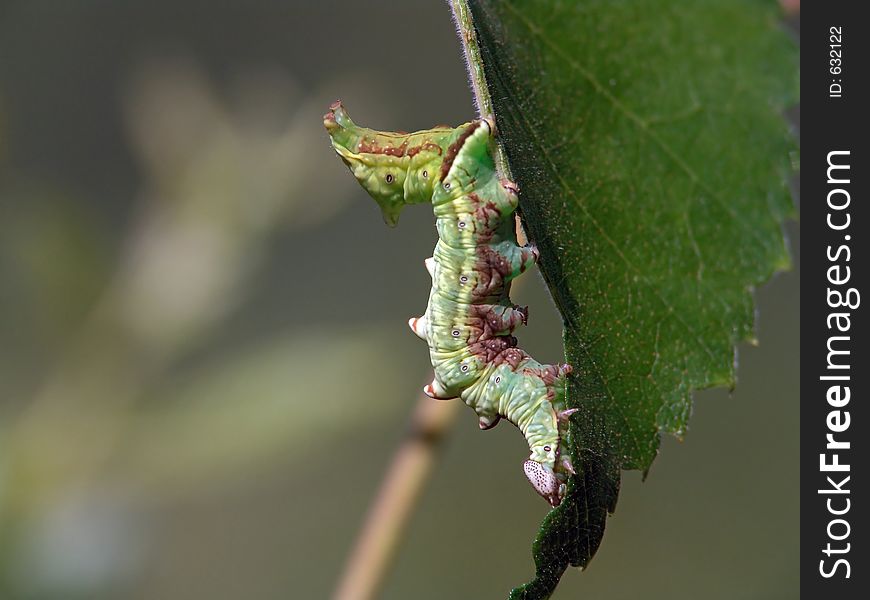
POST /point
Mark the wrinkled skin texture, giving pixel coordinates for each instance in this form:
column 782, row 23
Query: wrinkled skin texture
column 469, row 321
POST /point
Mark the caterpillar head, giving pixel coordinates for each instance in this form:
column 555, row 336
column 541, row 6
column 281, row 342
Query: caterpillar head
column 545, row 482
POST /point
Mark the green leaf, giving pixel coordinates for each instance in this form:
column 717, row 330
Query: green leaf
column 652, row 155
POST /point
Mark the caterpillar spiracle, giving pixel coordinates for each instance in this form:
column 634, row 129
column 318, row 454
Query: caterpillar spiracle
column 469, row 321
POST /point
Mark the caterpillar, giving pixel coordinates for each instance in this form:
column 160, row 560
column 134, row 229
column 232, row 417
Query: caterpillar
column 469, row 321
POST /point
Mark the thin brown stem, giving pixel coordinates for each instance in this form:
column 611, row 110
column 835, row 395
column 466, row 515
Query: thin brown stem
column 386, row 521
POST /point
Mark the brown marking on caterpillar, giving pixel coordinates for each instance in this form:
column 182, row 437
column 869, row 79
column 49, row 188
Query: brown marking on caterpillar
column 489, row 350
column 372, row 147
column 453, row 149
column 513, row 357
column 431, row 146
column 487, row 214
column 400, row 151
column 490, row 320
column 546, row 373
column 492, row 269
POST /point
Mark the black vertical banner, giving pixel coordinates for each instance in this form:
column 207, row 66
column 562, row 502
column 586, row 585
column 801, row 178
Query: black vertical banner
column 835, row 224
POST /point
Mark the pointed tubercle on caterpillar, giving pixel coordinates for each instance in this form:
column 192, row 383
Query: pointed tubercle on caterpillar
column 488, row 422
column 510, row 187
column 565, row 415
column 418, row 326
column 436, row 390
column 524, row 311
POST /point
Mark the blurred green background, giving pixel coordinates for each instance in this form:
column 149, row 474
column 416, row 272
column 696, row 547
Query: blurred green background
column 204, row 361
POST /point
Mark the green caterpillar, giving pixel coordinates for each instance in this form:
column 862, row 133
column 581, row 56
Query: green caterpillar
column 470, row 318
